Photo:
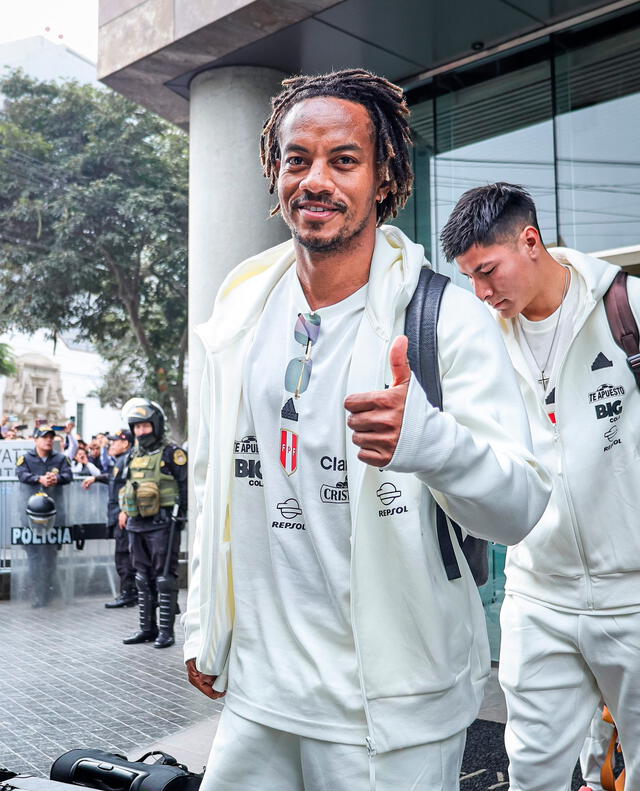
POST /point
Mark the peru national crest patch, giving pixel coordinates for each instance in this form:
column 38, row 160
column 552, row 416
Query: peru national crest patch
column 288, row 451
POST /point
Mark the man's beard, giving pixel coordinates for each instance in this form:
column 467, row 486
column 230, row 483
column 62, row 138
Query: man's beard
column 340, row 242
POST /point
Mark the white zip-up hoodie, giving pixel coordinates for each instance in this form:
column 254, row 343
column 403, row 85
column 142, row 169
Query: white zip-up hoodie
column 420, row 639
column 584, row 555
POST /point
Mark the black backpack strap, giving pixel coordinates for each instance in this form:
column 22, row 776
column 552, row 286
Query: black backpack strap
column 420, row 326
column 622, row 322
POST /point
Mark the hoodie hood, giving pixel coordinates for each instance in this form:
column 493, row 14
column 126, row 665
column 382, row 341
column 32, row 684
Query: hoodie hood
column 596, row 273
column 395, row 268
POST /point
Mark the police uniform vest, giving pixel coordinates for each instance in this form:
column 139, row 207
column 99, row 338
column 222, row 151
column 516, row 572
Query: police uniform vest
column 148, row 488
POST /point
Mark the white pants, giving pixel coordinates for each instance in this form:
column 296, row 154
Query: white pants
column 594, row 750
column 247, row 756
column 554, row 668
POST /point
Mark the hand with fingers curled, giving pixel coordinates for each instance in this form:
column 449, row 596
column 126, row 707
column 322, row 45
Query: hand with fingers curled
column 376, row 417
column 202, row 681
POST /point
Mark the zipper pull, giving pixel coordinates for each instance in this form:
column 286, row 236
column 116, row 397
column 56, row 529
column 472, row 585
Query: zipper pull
column 371, row 746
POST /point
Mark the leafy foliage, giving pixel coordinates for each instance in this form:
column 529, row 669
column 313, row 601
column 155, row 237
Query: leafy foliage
column 7, row 366
column 93, row 230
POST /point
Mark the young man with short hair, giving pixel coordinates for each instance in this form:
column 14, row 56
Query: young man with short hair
column 319, row 599
column 571, row 615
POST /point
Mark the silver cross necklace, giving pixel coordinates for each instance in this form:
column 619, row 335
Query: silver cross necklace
column 544, row 380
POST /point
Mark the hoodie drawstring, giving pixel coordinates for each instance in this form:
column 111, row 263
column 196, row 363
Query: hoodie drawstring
column 371, row 751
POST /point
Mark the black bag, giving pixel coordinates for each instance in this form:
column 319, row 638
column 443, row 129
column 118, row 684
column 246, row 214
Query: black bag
column 113, row 772
column 420, row 327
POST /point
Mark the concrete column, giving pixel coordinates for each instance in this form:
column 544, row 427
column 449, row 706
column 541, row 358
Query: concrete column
column 229, row 201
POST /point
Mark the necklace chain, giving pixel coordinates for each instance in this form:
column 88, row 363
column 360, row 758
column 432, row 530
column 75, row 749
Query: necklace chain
column 544, row 381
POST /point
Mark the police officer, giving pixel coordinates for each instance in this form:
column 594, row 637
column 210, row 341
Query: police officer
column 156, row 481
column 120, row 451
column 42, row 469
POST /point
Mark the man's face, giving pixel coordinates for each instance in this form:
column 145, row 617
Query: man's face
column 140, row 429
column 328, row 181
column 94, row 447
column 118, row 447
column 44, row 444
column 504, row 275
column 11, row 434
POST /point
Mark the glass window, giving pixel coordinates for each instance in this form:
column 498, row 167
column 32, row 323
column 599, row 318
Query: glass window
column 497, row 130
column 598, row 130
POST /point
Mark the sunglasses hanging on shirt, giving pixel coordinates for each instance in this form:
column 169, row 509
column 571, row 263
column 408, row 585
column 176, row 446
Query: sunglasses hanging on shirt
column 298, row 373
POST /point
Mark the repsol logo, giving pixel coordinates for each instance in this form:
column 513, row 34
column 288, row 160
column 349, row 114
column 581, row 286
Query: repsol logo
column 610, row 409
column 249, row 468
column 401, row 509
column 54, row 535
column 615, row 442
column 606, row 391
column 288, row 525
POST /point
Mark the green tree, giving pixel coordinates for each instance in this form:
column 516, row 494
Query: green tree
column 7, row 366
column 93, row 230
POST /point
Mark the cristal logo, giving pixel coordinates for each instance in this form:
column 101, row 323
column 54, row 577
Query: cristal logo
column 335, row 494
column 388, row 493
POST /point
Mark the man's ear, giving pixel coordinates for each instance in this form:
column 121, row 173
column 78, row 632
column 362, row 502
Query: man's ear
column 531, row 240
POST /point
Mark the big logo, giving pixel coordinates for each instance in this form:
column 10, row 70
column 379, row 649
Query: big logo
column 608, row 409
column 288, row 451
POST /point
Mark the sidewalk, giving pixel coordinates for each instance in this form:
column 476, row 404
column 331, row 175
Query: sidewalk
column 68, row 681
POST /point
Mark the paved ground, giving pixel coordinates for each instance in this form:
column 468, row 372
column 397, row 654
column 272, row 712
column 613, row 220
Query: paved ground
column 67, row 681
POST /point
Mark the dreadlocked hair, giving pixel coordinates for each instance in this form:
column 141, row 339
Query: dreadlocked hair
column 389, row 114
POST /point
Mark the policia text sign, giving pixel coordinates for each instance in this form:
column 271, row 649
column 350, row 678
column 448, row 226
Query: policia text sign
column 52, row 535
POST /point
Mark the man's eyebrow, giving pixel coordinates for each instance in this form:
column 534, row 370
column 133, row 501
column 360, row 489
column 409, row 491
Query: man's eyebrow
column 484, row 263
column 346, row 147
column 294, row 147
column 335, row 150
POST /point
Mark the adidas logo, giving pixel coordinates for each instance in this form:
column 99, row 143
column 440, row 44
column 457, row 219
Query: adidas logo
column 288, row 411
column 601, row 362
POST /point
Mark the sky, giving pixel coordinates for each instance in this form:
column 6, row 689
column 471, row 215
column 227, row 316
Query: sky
column 75, row 20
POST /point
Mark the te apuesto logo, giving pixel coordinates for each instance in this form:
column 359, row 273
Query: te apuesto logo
column 606, row 391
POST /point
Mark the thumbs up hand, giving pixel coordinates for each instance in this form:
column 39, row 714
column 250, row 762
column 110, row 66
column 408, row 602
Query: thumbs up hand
column 376, row 418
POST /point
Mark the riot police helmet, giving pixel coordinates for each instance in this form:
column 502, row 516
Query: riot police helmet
column 41, row 510
column 142, row 410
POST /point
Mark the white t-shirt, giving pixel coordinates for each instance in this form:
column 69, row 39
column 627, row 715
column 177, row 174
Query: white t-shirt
column 536, row 337
column 293, row 661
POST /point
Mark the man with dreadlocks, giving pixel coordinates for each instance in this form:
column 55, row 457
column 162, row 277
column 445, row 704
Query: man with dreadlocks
column 319, row 601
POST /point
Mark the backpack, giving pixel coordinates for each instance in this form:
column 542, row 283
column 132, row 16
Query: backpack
column 622, row 322
column 420, row 327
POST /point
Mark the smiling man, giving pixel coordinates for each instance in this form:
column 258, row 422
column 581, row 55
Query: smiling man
column 571, row 615
column 319, row 602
